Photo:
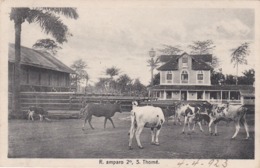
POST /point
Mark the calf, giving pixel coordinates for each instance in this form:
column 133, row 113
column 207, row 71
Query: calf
column 146, row 116
column 189, row 113
column 228, row 112
column 100, row 110
column 39, row 111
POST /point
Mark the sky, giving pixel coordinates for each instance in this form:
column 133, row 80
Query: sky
column 107, row 36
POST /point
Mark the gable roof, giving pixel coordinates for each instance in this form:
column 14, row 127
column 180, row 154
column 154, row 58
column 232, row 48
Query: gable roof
column 202, row 57
column 199, row 62
column 38, row 59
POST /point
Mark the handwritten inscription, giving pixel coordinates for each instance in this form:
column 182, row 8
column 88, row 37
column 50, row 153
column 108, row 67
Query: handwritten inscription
column 199, row 163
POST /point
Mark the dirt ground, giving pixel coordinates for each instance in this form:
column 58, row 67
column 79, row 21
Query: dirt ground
column 65, row 139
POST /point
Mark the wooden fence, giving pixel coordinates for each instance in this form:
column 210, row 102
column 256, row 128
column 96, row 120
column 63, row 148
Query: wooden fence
column 68, row 101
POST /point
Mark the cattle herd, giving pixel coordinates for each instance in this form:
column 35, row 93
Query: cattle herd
column 152, row 117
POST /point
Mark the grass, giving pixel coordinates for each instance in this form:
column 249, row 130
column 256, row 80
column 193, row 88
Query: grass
column 65, row 139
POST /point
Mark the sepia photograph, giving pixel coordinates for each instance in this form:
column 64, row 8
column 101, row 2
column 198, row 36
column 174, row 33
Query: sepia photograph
column 120, row 83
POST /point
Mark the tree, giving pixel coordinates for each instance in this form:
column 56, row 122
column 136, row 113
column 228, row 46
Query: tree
column 204, row 47
column 47, row 45
column 139, row 88
column 50, row 23
column 156, row 79
column 238, row 56
column 79, row 66
column 170, row 50
column 217, row 78
column 248, row 77
column 123, row 82
column 113, row 71
column 230, row 80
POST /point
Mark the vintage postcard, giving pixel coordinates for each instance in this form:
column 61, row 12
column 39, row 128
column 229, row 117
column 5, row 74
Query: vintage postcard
column 129, row 84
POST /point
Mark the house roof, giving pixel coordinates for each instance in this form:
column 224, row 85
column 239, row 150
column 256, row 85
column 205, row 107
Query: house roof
column 38, row 59
column 243, row 88
column 199, row 62
column 170, row 65
column 202, row 57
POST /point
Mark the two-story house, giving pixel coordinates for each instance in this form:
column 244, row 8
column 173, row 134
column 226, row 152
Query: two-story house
column 188, row 77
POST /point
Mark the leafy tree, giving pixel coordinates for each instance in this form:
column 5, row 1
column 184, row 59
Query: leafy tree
column 217, row 78
column 170, row 50
column 139, row 88
column 102, row 85
column 49, row 22
column 47, row 45
column 79, row 66
column 156, row 79
column 113, row 71
column 248, row 77
column 238, row 56
column 230, row 80
column 123, row 82
column 204, row 47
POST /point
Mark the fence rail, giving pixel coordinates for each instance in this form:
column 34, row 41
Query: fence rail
column 68, row 101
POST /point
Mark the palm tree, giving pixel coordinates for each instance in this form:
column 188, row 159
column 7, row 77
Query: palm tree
column 113, row 71
column 50, row 23
column 238, row 56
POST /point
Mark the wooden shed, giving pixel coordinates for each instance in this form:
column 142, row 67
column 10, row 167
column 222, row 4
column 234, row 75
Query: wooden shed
column 40, row 71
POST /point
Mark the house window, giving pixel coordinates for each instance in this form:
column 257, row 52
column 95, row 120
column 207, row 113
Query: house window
column 169, row 77
column 185, row 61
column 184, row 77
column 200, row 76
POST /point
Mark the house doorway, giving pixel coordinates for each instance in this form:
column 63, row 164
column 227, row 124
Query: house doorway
column 183, row 95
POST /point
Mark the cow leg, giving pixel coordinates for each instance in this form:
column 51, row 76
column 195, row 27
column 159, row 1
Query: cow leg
column 131, row 135
column 105, row 122
column 110, row 119
column 179, row 120
column 243, row 121
column 237, row 129
column 84, row 123
column 210, row 123
column 193, row 129
column 201, row 129
column 137, row 135
column 41, row 117
column 157, row 135
column 89, row 122
column 185, row 121
column 216, row 129
column 153, row 135
column 189, row 123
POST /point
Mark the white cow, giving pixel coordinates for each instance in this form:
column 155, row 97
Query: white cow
column 228, row 112
column 146, row 116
